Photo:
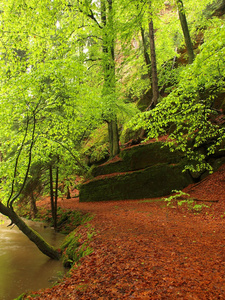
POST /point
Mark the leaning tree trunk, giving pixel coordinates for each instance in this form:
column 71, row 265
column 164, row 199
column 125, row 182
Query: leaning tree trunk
column 35, row 237
column 8, row 211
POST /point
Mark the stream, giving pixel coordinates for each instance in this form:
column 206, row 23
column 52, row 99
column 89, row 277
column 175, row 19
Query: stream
column 22, row 266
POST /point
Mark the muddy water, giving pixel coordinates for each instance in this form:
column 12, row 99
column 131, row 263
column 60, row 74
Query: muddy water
column 22, row 266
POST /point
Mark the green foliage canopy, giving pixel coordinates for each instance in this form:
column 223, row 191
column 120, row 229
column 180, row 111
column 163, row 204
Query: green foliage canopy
column 187, row 113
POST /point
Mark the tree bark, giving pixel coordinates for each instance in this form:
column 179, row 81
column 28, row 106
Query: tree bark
column 33, row 206
column 186, row 33
column 155, row 88
column 56, row 194
column 68, row 196
column 53, row 195
column 113, row 138
column 51, row 192
column 35, row 237
column 109, row 71
column 146, row 56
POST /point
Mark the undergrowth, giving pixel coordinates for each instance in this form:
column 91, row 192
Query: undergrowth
column 76, row 246
column 180, row 199
column 67, row 220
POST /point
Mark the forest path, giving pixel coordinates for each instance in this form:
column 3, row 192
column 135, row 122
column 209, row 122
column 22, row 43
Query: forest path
column 144, row 250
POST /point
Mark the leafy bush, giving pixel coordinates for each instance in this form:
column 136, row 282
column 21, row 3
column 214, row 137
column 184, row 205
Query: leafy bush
column 180, row 198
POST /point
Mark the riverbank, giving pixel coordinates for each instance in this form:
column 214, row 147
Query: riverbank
column 22, row 265
column 143, row 249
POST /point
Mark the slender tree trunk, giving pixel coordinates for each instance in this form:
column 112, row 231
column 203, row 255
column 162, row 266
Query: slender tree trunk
column 186, row 33
column 154, row 73
column 146, row 56
column 51, row 192
column 56, row 194
column 155, row 88
column 33, row 205
column 35, row 237
column 109, row 71
column 68, row 196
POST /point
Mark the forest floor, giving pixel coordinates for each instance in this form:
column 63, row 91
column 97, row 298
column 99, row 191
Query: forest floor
column 143, row 249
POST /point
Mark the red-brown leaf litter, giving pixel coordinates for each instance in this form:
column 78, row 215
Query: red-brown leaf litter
column 143, row 249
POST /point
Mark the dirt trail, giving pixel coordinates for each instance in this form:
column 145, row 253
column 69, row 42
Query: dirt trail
column 145, row 250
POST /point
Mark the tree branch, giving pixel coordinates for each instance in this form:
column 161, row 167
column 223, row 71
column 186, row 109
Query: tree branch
column 16, row 163
column 74, row 157
column 10, row 202
column 90, row 15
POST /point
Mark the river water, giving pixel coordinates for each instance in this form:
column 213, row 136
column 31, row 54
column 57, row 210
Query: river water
column 22, row 266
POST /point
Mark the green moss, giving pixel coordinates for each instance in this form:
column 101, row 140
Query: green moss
column 96, row 147
column 67, row 220
column 72, row 248
column 154, row 181
column 21, row 297
column 139, row 157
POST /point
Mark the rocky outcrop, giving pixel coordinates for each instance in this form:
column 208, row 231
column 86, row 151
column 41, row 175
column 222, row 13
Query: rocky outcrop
column 137, row 158
column 143, row 171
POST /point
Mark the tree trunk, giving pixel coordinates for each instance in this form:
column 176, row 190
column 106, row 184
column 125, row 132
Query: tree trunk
column 44, row 247
column 33, row 206
column 146, row 56
column 186, row 33
column 109, row 71
column 113, row 138
column 154, row 73
column 155, row 88
column 51, row 193
column 53, row 196
column 68, row 196
column 56, row 194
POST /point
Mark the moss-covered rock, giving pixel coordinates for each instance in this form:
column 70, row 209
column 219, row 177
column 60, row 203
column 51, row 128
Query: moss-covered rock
column 128, row 134
column 142, row 156
column 138, row 157
column 155, row 181
column 95, row 149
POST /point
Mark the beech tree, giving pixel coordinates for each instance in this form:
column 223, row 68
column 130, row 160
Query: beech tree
column 60, row 79
column 38, row 105
column 109, row 85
